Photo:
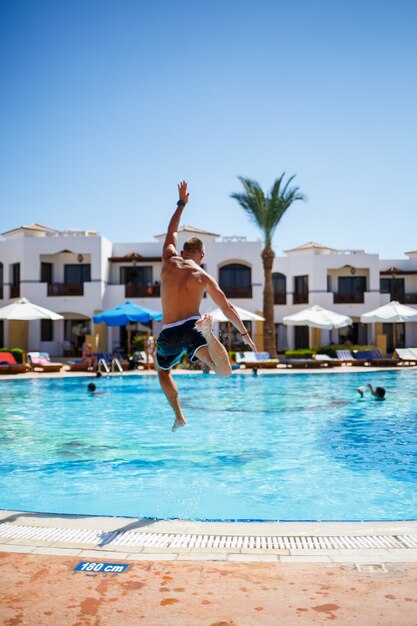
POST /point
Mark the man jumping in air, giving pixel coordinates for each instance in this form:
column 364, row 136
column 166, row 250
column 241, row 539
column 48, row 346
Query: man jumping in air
column 183, row 283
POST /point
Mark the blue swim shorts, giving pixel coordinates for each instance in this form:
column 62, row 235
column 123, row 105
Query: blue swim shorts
column 177, row 338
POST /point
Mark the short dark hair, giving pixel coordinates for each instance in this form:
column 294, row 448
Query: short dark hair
column 91, row 387
column 194, row 244
column 380, row 392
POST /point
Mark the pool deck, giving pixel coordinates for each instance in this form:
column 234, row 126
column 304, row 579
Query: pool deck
column 279, row 370
column 183, row 573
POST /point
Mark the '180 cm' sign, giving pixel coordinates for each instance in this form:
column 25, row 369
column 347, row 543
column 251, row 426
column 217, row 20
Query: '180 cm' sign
column 109, row 568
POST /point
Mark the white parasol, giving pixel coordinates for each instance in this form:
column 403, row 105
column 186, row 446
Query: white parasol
column 22, row 309
column 391, row 313
column 318, row 317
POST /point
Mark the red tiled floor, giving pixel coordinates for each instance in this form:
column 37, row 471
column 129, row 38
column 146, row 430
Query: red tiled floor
column 45, row 591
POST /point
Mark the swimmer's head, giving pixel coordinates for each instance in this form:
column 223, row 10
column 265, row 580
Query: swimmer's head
column 91, row 387
column 193, row 249
column 380, row 392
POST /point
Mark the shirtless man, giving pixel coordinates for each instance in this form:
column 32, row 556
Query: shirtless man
column 183, row 284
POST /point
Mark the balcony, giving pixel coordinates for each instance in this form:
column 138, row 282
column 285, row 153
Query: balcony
column 238, row 292
column 66, row 289
column 280, row 298
column 142, row 291
column 300, row 298
column 349, row 298
column 15, row 291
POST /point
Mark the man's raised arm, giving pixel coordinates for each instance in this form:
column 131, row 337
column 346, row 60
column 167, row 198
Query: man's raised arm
column 171, row 239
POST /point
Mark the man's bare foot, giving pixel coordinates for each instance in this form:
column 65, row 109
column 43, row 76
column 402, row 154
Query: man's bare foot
column 204, row 325
column 179, row 421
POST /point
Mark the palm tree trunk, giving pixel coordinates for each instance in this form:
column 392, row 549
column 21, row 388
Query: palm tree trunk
column 268, row 256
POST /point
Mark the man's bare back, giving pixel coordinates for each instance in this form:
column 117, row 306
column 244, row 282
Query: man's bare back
column 183, row 285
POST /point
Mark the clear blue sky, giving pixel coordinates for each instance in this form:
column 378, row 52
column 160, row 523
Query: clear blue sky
column 106, row 105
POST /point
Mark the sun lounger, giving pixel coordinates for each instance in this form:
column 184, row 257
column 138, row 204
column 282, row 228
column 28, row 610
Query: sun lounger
column 255, row 359
column 407, row 356
column 304, row 363
column 327, row 360
column 77, row 365
column 9, row 365
column 40, row 361
column 374, row 357
column 346, row 357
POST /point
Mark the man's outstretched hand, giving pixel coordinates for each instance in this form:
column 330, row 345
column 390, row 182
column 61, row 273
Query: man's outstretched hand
column 248, row 341
column 182, row 191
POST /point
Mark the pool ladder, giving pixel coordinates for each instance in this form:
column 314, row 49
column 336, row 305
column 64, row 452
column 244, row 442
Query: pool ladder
column 114, row 363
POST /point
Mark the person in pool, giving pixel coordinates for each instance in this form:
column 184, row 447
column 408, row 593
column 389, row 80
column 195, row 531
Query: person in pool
column 183, row 284
column 378, row 392
column 92, row 389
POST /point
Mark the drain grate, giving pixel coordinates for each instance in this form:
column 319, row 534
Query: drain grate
column 228, row 543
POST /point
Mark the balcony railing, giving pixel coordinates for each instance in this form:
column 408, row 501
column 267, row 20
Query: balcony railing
column 142, row 291
column 348, row 298
column 66, row 289
column 238, row 292
column 300, row 298
column 15, row 291
column 280, row 298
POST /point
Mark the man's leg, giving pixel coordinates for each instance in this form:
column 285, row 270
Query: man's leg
column 170, row 389
column 214, row 354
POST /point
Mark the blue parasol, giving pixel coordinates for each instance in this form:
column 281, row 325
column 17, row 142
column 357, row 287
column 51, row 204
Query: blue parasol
column 128, row 312
column 125, row 313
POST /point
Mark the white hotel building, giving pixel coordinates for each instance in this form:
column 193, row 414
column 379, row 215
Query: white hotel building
column 79, row 273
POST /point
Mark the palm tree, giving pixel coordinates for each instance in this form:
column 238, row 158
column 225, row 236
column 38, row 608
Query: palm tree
column 266, row 211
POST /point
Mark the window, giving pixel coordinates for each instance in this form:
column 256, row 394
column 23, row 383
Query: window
column 138, row 276
column 279, row 285
column 300, row 290
column 1, row 280
column 236, row 280
column 77, row 274
column 393, row 286
column 47, row 330
column 301, row 337
column 15, row 280
column 138, row 282
column 46, row 273
column 350, row 289
column 1, row 334
column 15, row 274
column 395, row 336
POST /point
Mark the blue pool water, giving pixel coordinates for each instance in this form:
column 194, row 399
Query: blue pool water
column 287, row 447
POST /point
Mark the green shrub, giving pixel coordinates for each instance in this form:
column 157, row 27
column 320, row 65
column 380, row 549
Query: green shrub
column 17, row 353
column 301, row 353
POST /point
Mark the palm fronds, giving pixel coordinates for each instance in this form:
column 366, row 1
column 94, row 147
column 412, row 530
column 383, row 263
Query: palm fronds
column 266, row 211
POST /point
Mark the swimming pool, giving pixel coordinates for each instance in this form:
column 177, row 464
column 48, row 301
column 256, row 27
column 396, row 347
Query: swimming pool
column 285, row 447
